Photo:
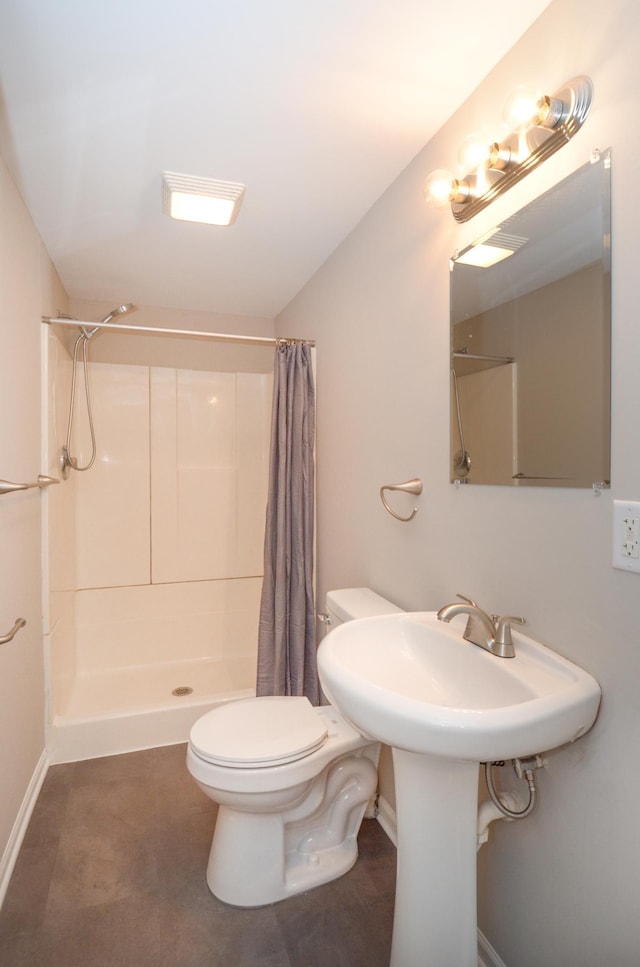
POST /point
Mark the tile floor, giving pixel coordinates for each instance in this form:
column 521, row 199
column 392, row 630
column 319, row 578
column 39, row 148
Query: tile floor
column 112, row 874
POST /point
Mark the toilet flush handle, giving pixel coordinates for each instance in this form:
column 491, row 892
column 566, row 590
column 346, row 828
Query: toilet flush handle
column 326, row 619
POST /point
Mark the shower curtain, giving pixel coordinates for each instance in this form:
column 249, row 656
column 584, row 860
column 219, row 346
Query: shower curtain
column 286, row 637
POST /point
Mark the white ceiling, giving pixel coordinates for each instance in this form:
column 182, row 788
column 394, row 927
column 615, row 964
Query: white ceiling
column 315, row 105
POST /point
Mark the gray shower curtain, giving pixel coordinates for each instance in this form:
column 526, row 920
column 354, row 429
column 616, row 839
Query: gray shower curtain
column 286, row 636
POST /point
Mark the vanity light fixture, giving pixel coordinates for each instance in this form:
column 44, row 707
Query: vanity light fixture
column 538, row 126
column 203, row 200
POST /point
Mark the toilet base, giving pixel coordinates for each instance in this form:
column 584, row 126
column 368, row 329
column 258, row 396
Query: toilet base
column 260, row 858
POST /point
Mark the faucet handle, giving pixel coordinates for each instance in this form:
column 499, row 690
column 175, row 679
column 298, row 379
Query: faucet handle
column 470, row 601
column 503, row 628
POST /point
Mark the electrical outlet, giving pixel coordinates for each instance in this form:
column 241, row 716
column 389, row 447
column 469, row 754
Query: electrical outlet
column 626, row 535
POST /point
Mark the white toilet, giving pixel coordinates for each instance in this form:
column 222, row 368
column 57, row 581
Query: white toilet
column 292, row 783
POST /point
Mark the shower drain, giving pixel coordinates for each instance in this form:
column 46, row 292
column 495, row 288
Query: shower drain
column 182, row 690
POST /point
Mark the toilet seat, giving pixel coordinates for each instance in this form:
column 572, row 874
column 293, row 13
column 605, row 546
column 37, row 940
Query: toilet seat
column 257, row 733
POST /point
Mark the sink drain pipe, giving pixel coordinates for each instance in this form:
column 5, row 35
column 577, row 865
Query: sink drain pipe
column 507, row 805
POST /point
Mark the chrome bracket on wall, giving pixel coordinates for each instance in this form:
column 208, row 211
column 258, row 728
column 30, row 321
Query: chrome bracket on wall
column 409, row 487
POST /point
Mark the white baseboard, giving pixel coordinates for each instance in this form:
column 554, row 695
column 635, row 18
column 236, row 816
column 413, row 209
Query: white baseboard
column 10, row 855
column 386, row 816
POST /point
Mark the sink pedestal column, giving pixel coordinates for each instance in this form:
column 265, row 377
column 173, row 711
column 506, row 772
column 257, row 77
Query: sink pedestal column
column 435, row 919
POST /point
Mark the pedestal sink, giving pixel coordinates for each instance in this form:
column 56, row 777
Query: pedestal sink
column 445, row 705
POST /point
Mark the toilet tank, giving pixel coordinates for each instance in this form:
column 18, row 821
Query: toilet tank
column 346, row 604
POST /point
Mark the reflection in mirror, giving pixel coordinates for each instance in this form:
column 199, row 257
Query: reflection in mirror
column 531, row 342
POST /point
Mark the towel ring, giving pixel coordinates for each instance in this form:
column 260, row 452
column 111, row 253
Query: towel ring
column 408, row 487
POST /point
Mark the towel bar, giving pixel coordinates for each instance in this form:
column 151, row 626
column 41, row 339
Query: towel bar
column 7, row 487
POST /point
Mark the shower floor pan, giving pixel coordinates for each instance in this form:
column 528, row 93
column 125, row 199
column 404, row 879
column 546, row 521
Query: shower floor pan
column 134, row 708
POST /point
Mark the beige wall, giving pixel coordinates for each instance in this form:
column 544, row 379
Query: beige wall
column 561, row 887
column 561, row 382
column 28, row 287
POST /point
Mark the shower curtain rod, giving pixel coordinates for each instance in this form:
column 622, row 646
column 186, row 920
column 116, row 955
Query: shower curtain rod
column 157, row 331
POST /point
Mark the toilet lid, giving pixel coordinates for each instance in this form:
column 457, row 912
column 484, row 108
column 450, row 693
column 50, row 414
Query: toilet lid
column 258, row 732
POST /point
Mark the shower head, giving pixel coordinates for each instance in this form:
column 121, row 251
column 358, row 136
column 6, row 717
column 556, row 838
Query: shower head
column 120, row 311
column 87, row 333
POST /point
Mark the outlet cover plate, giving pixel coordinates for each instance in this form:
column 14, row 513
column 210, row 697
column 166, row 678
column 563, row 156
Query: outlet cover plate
column 626, row 527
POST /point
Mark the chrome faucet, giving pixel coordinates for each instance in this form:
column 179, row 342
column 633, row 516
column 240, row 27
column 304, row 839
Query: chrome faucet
column 493, row 633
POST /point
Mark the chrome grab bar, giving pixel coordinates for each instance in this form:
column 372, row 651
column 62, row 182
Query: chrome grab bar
column 20, row 623
column 408, row 487
column 7, row 487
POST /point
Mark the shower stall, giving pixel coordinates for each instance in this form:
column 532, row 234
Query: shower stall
column 154, row 556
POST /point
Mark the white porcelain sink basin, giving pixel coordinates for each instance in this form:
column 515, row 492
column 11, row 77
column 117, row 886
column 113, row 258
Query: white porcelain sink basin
column 413, row 682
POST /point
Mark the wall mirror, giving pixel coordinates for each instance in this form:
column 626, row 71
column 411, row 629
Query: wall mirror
column 531, row 341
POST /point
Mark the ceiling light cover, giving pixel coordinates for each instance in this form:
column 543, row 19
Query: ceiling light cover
column 483, row 255
column 201, row 199
column 491, row 248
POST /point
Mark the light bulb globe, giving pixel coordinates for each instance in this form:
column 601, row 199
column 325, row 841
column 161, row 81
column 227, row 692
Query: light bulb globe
column 520, row 108
column 473, row 152
column 439, row 188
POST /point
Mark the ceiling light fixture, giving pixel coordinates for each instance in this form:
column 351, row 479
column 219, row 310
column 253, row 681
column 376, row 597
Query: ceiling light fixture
column 539, row 125
column 203, row 200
